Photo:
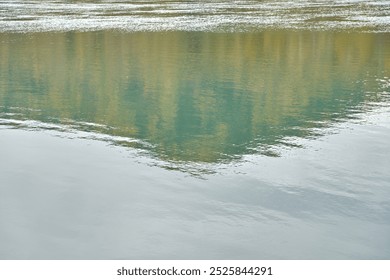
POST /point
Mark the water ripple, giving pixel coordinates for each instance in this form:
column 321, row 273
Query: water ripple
column 52, row 15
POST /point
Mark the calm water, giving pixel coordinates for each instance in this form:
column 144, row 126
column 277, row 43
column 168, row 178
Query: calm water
column 262, row 143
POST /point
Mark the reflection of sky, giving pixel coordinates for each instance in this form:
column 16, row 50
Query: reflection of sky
column 192, row 15
column 73, row 198
column 193, row 97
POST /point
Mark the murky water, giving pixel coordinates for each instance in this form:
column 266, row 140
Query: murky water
column 245, row 140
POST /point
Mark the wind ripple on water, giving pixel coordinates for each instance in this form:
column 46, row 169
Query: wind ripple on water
column 52, row 15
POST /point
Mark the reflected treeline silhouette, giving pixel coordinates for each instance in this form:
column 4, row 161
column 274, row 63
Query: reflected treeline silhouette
column 199, row 97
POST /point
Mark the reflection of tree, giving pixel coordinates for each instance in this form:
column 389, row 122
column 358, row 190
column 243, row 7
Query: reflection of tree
column 196, row 96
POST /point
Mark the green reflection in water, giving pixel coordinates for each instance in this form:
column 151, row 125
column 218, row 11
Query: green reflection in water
column 197, row 97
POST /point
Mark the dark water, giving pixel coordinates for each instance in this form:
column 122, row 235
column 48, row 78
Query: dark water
column 269, row 144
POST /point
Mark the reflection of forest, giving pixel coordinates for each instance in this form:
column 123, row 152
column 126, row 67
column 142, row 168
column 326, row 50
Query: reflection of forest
column 196, row 96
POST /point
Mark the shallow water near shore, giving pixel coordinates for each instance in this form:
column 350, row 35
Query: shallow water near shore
column 170, row 143
column 190, row 15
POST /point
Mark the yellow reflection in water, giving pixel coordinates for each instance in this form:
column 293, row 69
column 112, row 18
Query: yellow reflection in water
column 195, row 96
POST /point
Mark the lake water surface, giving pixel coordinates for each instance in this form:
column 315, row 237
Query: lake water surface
column 197, row 133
